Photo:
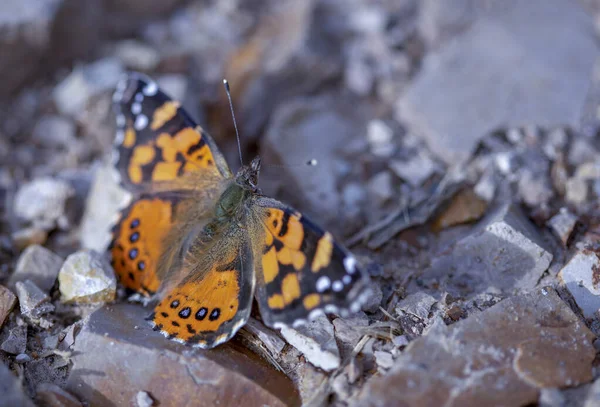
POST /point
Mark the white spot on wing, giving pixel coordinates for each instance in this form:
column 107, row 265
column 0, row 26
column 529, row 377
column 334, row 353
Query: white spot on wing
column 350, row 264
column 337, row 286
column 323, row 283
column 347, row 279
column 136, row 108
column 140, row 122
column 119, row 137
column 150, row 89
column 139, row 97
column 121, row 120
column 331, row 309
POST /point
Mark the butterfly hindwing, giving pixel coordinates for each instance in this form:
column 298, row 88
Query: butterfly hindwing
column 301, row 271
column 138, row 240
column 214, row 298
column 156, row 140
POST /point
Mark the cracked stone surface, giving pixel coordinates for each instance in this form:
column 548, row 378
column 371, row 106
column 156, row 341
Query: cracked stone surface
column 87, row 277
column 468, row 72
column 502, row 356
column 506, row 252
column 116, row 341
column 39, row 265
column 581, row 276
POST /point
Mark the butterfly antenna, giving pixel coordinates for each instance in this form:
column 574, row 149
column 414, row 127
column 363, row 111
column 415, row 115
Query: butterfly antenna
column 237, row 134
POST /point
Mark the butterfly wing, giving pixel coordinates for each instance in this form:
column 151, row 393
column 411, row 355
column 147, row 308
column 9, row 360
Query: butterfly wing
column 168, row 162
column 213, row 299
column 158, row 142
column 301, row 271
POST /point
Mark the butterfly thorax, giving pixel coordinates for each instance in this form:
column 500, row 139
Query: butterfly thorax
column 245, row 185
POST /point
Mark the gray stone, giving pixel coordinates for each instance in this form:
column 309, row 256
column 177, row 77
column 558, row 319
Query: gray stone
column 508, row 352
column 22, row 358
column 316, row 341
column 373, row 298
column 380, row 137
column 384, row 360
column 577, row 191
column 7, row 303
column 593, row 396
column 105, row 199
column 174, row 85
column 137, row 56
column 116, row 341
column 468, row 72
column 551, row 398
column 73, row 93
column 25, row 33
column 380, row 186
column 416, row 170
column 581, row 276
column 39, row 265
column 562, row 224
column 54, row 131
column 32, row 301
column 87, row 277
column 535, row 190
column 26, row 237
column 16, row 342
column 143, row 399
column 348, row 331
column 268, row 338
column 418, row 304
column 11, row 391
column 504, row 252
column 42, row 202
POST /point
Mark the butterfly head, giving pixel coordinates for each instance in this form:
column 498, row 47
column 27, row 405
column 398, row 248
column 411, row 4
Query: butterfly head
column 247, row 176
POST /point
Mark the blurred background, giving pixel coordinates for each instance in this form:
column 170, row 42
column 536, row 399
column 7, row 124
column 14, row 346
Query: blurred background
column 410, row 108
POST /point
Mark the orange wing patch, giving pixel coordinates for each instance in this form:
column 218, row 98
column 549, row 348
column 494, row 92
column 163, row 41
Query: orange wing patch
column 195, row 309
column 288, row 231
column 164, row 113
column 322, row 256
column 168, row 157
column 137, row 243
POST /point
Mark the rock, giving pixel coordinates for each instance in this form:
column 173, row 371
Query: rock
column 577, row 191
column 384, row 360
column 39, row 265
column 105, row 199
column 10, row 388
column 466, row 72
column 29, row 236
column 7, row 303
column 174, row 85
column 466, row 206
column 52, row 395
column 593, row 396
column 400, row 341
column 504, row 252
column 581, row 276
column 54, row 131
column 32, row 301
column 418, row 304
column 551, row 398
column 415, row 170
column 86, row 277
column 73, row 93
column 16, row 342
column 490, row 356
column 176, row 374
column 22, row 358
column 42, row 202
column 316, row 341
column 348, row 331
column 137, row 56
column 25, row 30
column 380, row 137
column 297, row 130
column 535, row 190
column 380, row 187
column 139, row 9
column 373, row 299
column 143, row 399
column 562, row 224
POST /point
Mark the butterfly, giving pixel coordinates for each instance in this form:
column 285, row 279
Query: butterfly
column 203, row 242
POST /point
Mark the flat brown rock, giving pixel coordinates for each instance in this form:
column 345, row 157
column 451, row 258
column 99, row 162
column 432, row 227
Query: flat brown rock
column 501, row 357
column 117, row 355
